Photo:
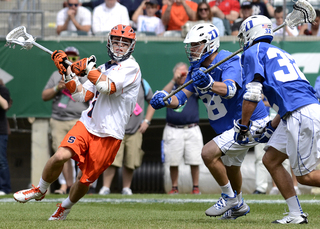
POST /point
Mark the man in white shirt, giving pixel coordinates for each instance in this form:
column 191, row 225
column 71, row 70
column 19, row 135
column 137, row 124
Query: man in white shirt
column 74, row 17
column 109, row 14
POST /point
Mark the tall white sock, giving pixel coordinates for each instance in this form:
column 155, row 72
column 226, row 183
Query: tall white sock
column 227, row 189
column 294, row 206
column 43, row 185
column 67, row 203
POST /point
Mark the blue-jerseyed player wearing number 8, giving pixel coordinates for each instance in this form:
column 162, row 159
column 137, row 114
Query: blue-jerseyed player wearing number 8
column 221, row 91
column 297, row 133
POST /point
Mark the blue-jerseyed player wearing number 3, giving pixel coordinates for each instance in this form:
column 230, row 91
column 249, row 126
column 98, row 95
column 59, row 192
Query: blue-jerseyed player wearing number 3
column 297, row 133
column 222, row 91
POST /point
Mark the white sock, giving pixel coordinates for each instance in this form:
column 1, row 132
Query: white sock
column 294, row 206
column 239, row 197
column 43, row 185
column 227, row 189
column 67, row 203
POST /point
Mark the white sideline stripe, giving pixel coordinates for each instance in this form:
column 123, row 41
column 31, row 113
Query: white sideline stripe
column 172, row 201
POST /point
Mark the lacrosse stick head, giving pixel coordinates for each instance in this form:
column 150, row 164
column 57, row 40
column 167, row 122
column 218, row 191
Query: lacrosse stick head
column 20, row 37
column 303, row 12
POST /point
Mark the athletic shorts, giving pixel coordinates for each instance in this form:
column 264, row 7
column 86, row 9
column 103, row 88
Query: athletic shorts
column 233, row 152
column 59, row 129
column 130, row 153
column 182, row 144
column 299, row 137
column 93, row 154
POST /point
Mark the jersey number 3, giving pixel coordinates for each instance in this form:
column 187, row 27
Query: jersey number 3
column 287, row 61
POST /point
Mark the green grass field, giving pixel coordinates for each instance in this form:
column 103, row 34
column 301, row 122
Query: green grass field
column 151, row 211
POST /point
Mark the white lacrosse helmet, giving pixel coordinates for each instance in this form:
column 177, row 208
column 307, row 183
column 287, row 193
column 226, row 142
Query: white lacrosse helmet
column 255, row 28
column 201, row 32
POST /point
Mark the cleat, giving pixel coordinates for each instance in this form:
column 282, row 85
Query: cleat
column 60, row 214
column 104, row 191
column 196, row 191
column 234, row 213
column 224, row 204
column 173, row 191
column 274, row 191
column 29, row 194
column 126, row 191
column 300, row 219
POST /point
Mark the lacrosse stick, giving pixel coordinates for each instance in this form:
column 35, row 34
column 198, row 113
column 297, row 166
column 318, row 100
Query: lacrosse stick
column 20, row 37
column 303, row 12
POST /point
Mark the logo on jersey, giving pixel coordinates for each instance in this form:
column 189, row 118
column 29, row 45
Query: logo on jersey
column 71, row 139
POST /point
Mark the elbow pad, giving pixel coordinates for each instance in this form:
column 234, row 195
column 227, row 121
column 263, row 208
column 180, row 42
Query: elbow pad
column 182, row 98
column 79, row 96
column 253, row 92
column 231, row 89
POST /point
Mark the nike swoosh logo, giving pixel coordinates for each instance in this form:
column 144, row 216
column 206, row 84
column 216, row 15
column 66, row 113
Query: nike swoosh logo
column 289, row 221
column 88, row 180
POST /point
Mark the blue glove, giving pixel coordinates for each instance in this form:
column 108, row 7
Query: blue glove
column 242, row 133
column 263, row 134
column 203, row 81
column 157, row 100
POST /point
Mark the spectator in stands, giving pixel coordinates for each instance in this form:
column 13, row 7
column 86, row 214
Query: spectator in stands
column 262, row 8
column 149, row 22
column 278, row 14
column 132, row 5
column 246, row 11
column 311, row 29
column 65, row 113
column 130, row 154
column 204, row 14
column 227, row 10
column 5, row 104
column 74, row 17
column 177, row 12
column 109, row 14
column 182, row 137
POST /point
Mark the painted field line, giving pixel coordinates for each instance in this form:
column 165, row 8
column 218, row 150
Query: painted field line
column 172, row 201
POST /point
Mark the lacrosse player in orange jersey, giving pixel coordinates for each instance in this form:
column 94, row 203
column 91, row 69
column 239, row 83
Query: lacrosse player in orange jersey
column 95, row 139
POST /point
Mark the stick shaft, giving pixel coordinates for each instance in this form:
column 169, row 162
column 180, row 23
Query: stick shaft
column 48, row 51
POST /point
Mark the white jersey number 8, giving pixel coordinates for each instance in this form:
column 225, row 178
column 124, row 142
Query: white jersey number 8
column 285, row 61
column 215, row 108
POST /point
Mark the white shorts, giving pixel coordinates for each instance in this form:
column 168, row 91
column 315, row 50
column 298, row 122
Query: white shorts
column 233, row 152
column 180, row 143
column 299, row 137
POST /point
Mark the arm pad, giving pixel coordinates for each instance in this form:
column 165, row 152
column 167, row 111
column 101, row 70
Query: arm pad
column 253, row 92
column 182, row 98
column 231, row 89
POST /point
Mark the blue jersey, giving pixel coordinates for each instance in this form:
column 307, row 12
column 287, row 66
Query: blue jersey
column 284, row 85
column 221, row 111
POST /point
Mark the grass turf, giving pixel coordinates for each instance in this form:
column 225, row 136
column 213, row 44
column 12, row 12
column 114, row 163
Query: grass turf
column 150, row 211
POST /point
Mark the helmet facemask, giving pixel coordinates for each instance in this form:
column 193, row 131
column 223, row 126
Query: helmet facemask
column 116, row 46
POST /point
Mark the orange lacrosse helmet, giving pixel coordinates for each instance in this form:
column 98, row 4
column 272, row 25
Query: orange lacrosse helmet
column 122, row 31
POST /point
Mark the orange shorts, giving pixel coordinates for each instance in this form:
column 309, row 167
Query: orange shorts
column 93, row 154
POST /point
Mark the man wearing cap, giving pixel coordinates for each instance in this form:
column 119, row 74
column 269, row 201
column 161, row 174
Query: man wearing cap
column 65, row 113
column 74, row 17
column 149, row 22
column 245, row 12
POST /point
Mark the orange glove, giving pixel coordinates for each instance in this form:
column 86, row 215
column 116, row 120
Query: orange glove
column 84, row 66
column 59, row 57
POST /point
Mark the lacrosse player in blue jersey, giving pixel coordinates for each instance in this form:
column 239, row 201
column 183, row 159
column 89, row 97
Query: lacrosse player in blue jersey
column 274, row 72
column 221, row 91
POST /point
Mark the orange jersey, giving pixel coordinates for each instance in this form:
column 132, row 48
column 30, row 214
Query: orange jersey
column 93, row 154
column 178, row 15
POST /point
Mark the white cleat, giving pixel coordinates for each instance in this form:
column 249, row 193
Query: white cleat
column 104, row 191
column 29, row 194
column 300, row 219
column 60, row 214
column 236, row 212
column 126, row 191
column 224, row 204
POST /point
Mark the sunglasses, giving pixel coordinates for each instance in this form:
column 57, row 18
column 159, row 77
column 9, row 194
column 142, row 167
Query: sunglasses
column 203, row 9
column 70, row 4
column 73, row 58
